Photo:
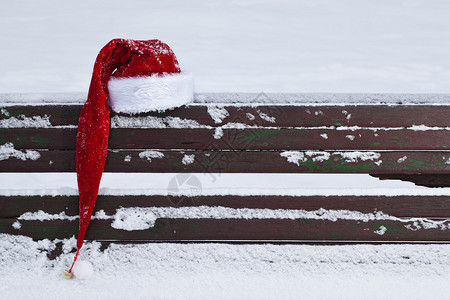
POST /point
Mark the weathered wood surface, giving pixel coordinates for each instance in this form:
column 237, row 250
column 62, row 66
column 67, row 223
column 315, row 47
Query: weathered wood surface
column 171, row 161
column 399, row 206
column 403, row 228
column 236, row 139
column 232, row 229
column 285, row 115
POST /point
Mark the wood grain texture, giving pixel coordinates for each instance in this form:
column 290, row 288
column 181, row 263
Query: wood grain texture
column 384, row 162
column 235, row 139
column 231, row 229
column 399, row 206
column 284, row 115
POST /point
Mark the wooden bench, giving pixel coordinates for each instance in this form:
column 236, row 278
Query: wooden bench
column 389, row 141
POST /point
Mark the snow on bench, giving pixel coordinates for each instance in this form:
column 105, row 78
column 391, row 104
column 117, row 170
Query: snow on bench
column 386, row 139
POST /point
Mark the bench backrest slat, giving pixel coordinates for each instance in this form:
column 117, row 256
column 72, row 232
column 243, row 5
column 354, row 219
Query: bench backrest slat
column 279, row 115
column 174, row 161
column 236, row 139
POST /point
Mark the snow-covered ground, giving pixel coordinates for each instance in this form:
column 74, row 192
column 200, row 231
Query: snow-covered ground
column 256, row 46
column 206, row 271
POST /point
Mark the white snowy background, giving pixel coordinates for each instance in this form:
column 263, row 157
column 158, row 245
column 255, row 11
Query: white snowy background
column 247, row 45
column 232, row 46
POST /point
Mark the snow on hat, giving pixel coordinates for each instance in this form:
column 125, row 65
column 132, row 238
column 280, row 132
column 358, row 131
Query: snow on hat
column 136, row 76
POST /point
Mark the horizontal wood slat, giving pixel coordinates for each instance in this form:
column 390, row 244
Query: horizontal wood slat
column 284, row 115
column 399, row 206
column 231, row 229
column 236, row 139
column 427, row 180
column 137, row 161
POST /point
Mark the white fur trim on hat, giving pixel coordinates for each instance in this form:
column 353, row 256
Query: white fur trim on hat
column 134, row 95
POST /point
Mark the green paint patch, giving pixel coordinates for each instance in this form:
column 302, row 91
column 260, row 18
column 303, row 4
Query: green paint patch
column 273, row 136
column 258, row 135
column 7, row 113
column 120, row 133
column 39, row 141
column 339, row 165
column 336, row 122
column 19, row 141
column 415, row 163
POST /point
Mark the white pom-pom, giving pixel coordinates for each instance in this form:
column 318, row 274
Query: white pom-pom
column 83, row 269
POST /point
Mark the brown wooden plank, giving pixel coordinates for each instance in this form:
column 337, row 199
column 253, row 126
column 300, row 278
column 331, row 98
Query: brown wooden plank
column 399, row 206
column 39, row 138
column 136, row 161
column 428, row 180
column 58, row 115
column 294, row 116
column 231, row 229
column 285, row 115
column 236, row 139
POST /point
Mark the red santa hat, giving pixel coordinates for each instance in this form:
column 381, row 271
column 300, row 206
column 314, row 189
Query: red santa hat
column 136, row 77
